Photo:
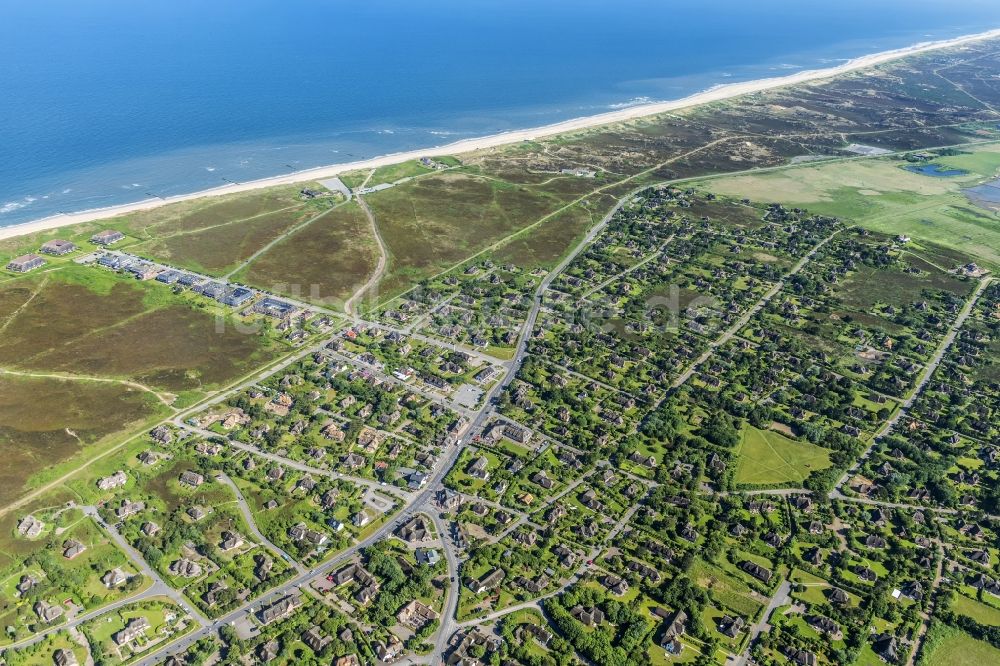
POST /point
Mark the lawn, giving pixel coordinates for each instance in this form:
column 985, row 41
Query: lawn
column 767, row 457
column 40, row 653
column 728, row 591
column 59, row 579
column 394, row 172
column 815, row 587
column 156, row 611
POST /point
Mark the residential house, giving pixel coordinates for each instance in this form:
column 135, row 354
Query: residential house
column 72, row 548
column 674, row 630
column 114, row 578
column 760, row 573
column 730, row 626
column 107, row 237
column 415, row 530
column 478, row 468
column 191, row 479
column 129, row 508
column 588, row 616
column 134, row 629
column 185, row 568
column 279, row 609
column 487, row 582
column 416, row 615
column 214, row 592
column 116, row 480
column 302, row 533
column 47, row 612
column 230, row 541
column 427, row 556
column 63, row 657
column 315, row 639
column 30, row 527
column 25, row 263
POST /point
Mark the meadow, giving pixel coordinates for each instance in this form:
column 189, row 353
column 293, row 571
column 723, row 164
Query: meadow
column 948, row 646
column 882, row 196
column 216, row 250
column 767, row 457
column 543, row 246
column 977, row 610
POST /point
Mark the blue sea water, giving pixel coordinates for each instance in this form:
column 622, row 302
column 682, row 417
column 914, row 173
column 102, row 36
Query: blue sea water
column 109, row 101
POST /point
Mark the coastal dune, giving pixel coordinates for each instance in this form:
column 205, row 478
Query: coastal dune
column 715, row 94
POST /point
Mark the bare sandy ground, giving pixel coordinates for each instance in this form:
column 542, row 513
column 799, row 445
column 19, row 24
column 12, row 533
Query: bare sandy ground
column 715, row 94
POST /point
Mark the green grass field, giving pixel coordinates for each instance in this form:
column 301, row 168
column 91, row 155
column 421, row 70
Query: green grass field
column 725, row 589
column 948, row 646
column 393, row 172
column 768, row 457
column 219, row 249
column 543, row 246
column 882, row 196
column 978, row 611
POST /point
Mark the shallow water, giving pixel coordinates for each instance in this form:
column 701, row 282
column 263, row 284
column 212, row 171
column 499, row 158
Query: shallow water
column 986, row 193
column 935, row 170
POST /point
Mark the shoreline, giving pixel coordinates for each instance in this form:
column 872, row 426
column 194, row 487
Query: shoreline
column 716, row 93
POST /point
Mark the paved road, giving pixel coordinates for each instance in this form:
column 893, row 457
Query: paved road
column 252, row 524
column 418, row 503
column 779, row 599
column 450, row 609
column 745, row 319
column 422, row 500
column 924, row 378
column 158, row 588
column 628, row 271
column 143, row 566
column 411, row 386
column 399, row 493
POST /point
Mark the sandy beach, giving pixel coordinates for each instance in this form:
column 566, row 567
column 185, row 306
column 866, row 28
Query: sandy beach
column 715, row 94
